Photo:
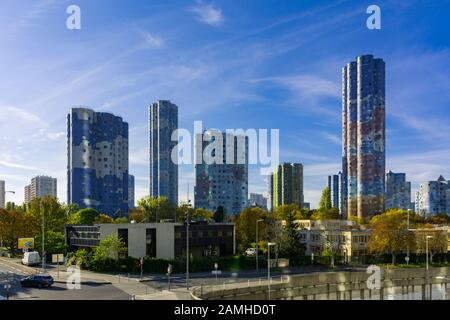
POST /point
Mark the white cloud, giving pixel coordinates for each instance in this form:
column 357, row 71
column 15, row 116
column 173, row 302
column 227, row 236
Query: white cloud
column 208, row 13
column 332, row 138
column 18, row 166
column 151, row 41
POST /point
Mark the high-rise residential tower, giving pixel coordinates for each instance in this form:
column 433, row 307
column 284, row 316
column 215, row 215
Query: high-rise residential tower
column 257, row 200
column 286, row 185
column 97, row 161
column 433, row 197
column 333, row 185
column 163, row 121
column 131, row 199
column 2, row 194
column 222, row 179
column 363, row 136
column 398, row 191
column 41, row 186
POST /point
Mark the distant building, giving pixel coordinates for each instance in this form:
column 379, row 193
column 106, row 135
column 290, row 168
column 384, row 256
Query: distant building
column 2, row 194
column 306, row 205
column 222, row 180
column 163, row 121
column 286, row 185
column 363, row 136
column 257, row 200
column 131, row 198
column 433, row 197
column 27, row 194
column 158, row 240
column 41, row 186
column 97, row 161
column 333, row 185
column 398, row 191
column 345, row 238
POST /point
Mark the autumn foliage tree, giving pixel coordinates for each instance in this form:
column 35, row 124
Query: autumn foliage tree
column 390, row 234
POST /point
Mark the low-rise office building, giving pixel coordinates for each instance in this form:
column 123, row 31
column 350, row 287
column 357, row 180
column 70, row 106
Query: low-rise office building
column 158, row 240
column 344, row 238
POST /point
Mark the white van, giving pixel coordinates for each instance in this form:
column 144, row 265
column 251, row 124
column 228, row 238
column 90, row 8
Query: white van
column 31, row 258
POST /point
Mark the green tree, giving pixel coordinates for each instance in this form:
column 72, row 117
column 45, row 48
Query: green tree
column 103, row 218
column 112, row 247
column 47, row 207
column 84, row 216
column 286, row 211
column 290, row 246
column 246, row 226
column 436, row 244
column 326, row 214
column 390, row 234
column 325, row 200
column 14, row 225
column 219, row 214
column 201, row 214
column 55, row 243
column 121, row 220
column 157, row 209
column 181, row 212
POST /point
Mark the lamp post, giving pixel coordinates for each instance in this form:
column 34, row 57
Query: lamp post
column 428, row 237
column 268, row 264
column 256, row 246
column 187, row 243
column 4, row 194
column 43, row 236
column 427, row 279
column 407, row 230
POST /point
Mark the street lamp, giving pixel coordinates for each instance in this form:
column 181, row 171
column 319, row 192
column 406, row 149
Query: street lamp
column 428, row 237
column 257, row 259
column 268, row 263
column 187, row 243
column 407, row 247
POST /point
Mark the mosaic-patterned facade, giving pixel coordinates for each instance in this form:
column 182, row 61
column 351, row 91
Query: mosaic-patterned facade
column 222, row 183
column 286, row 185
column 433, row 197
column 363, row 136
column 398, row 191
column 163, row 121
column 333, row 186
column 97, row 161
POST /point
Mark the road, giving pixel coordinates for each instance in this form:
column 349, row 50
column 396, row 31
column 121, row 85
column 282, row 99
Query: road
column 59, row 291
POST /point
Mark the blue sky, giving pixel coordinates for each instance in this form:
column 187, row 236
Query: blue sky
column 231, row 64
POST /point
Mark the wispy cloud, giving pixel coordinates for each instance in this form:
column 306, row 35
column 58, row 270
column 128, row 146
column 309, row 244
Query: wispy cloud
column 18, row 166
column 208, row 13
column 332, row 138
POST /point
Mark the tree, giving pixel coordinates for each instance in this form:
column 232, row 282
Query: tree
column 112, row 247
column 332, row 245
column 85, row 216
column 325, row 200
column 326, row 214
column 287, row 211
column 441, row 219
column 181, row 212
column 219, row 214
column 246, row 226
column 55, row 242
column 103, row 218
column 437, row 244
column 137, row 214
column 13, row 225
column 390, row 233
column 121, row 220
column 157, row 209
column 201, row 214
column 47, row 207
column 290, row 245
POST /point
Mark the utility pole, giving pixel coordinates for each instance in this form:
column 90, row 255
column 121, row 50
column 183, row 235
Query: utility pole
column 257, row 258
column 43, row 236
column 187, row 238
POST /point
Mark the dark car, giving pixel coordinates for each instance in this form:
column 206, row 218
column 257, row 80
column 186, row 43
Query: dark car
column 37, row 280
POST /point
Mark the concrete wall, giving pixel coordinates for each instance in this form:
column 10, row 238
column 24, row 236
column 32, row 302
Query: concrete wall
column 165, row 237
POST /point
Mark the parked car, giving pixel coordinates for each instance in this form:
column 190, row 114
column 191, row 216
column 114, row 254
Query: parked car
column 37, row 280
column 250, row 252
column 31, row 258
